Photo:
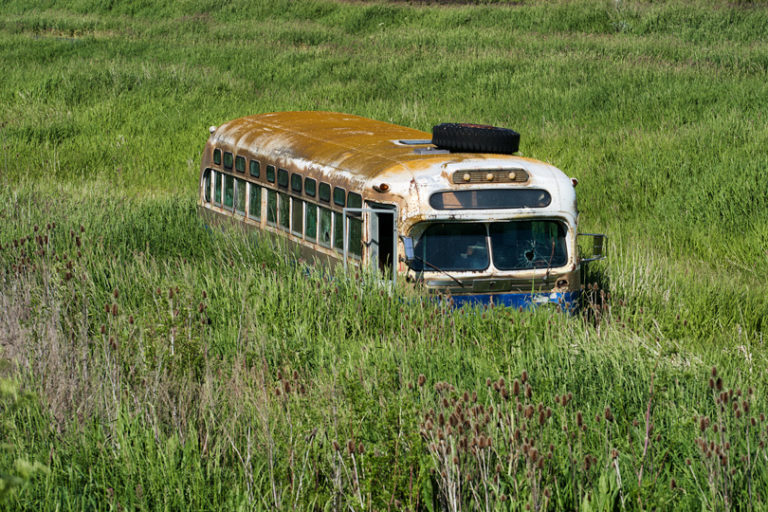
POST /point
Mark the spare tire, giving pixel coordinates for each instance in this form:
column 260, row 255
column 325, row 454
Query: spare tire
column 475, row 138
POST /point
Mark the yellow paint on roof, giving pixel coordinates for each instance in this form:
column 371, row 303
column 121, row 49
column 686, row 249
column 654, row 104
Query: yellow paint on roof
column 359, row 146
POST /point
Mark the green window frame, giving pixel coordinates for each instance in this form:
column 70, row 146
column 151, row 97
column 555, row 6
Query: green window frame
column 217, row 180
column 338, row 231
column 310, row 187
column 339, row 196
column 310, row 221
column 354, row 200
column 271, row 173
column 325, row 192
column 228, row 160
column 207, row 186
column 240, row 164
column 217, row 156
column 355, row 237
column 271, row 207
column 297, row 216
column 326, row 225
column 255, row 168
column 282, row 178
column 296, row 183
column 240, row 196
column 254, row 201
column 229, row 191
column 284, row 211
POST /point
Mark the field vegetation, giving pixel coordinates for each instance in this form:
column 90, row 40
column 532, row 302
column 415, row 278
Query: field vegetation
column 152, row 363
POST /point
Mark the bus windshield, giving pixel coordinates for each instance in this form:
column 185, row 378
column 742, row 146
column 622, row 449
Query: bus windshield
column 511, row 245
column 452, row 246
column 526, row 244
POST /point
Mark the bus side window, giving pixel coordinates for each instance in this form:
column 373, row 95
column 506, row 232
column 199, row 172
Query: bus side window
column 207, row 186
column 310, row 186
column 355, row 236
column 255, row 168
column 296, row 183
column 217, row 156
column 325, row 227
column 325, row 192
column 338, row 231
column 338, row 196
column 217, row 178
column 271, row 207
column 229, row 191
column 271, row 173
column 284, row 207
column 282, row 178
column 297, row 216
column 240, row 196
column 310, row 223
column 254, row 201
column 240, row 164
column 227, row 160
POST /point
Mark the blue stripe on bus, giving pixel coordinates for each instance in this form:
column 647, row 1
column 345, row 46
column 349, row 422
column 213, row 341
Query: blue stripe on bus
column 568, row 301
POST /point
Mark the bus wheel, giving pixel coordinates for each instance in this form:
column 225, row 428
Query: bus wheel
column 475, row 138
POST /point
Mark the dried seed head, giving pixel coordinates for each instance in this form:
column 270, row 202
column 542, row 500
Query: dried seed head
column 335, row 445
column 422, row 380
column 360, row 448
column 608, row 414
column 114, row 309
column 714, row 371
column 103, row 329
column 719, row 384
column 115, row 293
column 351, row 447
column 130, row 319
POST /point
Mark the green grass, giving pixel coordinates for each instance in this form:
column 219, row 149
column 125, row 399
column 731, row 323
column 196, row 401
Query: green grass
column 657, row 107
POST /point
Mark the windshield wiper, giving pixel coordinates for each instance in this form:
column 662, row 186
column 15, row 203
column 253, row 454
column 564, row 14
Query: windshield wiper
column 410, row 256
column 439, row 270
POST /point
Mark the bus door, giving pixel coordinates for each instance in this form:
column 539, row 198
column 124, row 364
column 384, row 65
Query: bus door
column 380, row 236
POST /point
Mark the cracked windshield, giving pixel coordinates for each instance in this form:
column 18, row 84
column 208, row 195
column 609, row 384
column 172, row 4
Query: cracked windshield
column 515, row 245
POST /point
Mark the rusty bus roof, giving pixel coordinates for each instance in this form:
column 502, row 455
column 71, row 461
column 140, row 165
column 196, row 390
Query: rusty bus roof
column 359, row 147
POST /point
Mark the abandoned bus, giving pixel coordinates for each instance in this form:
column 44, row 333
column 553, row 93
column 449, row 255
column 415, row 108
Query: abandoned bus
column 455, row 211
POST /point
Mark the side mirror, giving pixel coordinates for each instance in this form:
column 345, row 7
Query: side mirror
column 598, row 247
column 410, row 256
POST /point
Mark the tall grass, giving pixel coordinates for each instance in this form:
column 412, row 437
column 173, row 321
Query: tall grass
column 174, row 366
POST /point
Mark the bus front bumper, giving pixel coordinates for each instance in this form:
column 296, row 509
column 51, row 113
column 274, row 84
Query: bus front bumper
column 567, row 301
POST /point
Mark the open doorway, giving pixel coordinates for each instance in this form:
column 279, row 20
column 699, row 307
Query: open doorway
column 382, row 237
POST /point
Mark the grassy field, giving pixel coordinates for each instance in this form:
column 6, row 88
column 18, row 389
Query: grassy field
column 152, row 364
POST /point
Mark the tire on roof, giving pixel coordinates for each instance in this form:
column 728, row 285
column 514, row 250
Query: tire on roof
column 475, row 138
